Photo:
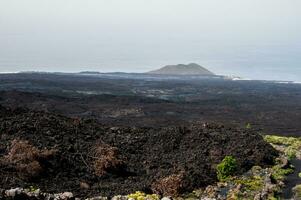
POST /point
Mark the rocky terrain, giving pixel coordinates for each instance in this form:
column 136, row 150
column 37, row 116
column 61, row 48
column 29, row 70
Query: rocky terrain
column 155, row 102
column 55, row 154
column 92, row 134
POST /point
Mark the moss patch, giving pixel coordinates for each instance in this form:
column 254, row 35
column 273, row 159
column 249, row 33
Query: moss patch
column 291, row 144
column 226, row 168
column 251, row 184
column 279, row 173
column 297, row 191
column 142, row 196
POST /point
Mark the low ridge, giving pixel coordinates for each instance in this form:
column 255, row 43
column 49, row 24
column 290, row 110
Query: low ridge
column 182, row 69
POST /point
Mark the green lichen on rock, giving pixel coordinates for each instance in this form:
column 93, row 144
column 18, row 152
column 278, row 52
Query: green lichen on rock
column 279, row 173
column 282, row 140
column 297, row 192
column 273, row 198
column 291, row 145
column 142, row 196
column 226, row 168
column 248, row 126
column 251, row 184
column 33, row 188
column 258, row 182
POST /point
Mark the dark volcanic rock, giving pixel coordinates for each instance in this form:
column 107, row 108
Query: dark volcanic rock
column 4, row 111
column 148, row 154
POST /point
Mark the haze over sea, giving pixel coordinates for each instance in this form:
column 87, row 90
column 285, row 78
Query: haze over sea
column 253, row 72
column 243, row 64
column 255, row 39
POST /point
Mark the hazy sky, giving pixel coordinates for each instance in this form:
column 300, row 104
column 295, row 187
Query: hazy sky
column 250, row 38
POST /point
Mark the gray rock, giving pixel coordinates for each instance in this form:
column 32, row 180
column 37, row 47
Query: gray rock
column 120, row 197
column 98, row 198
column 13, row 192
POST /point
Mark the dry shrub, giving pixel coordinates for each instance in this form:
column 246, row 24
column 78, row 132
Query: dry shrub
column 105, row 158
column 169, row 186
column 26, row 159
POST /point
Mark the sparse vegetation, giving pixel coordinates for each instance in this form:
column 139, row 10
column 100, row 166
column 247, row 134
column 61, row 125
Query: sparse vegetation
column 105, row 158
column 33, row 188
column 291, row 145
column 226, row 168
column 251, row 184
column 248, row 126
column 289, row 141
column 246, row 187
column 279, row 173
column 169, row 186
column 297, row 192
column 26, row 159
column 142, row 196
column 128, row 158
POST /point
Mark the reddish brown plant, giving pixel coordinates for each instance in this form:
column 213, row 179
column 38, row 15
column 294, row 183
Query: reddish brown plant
column 26, row 158
column 105, row 158
column 169, row 186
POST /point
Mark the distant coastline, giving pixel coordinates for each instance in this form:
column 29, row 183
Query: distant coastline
column 97, row 73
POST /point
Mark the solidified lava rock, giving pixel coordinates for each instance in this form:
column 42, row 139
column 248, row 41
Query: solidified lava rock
column 147, row 154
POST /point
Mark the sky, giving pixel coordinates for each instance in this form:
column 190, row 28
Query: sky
column 257, row 39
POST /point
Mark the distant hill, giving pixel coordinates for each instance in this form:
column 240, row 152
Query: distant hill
column 181, row 69
column 89, row 72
